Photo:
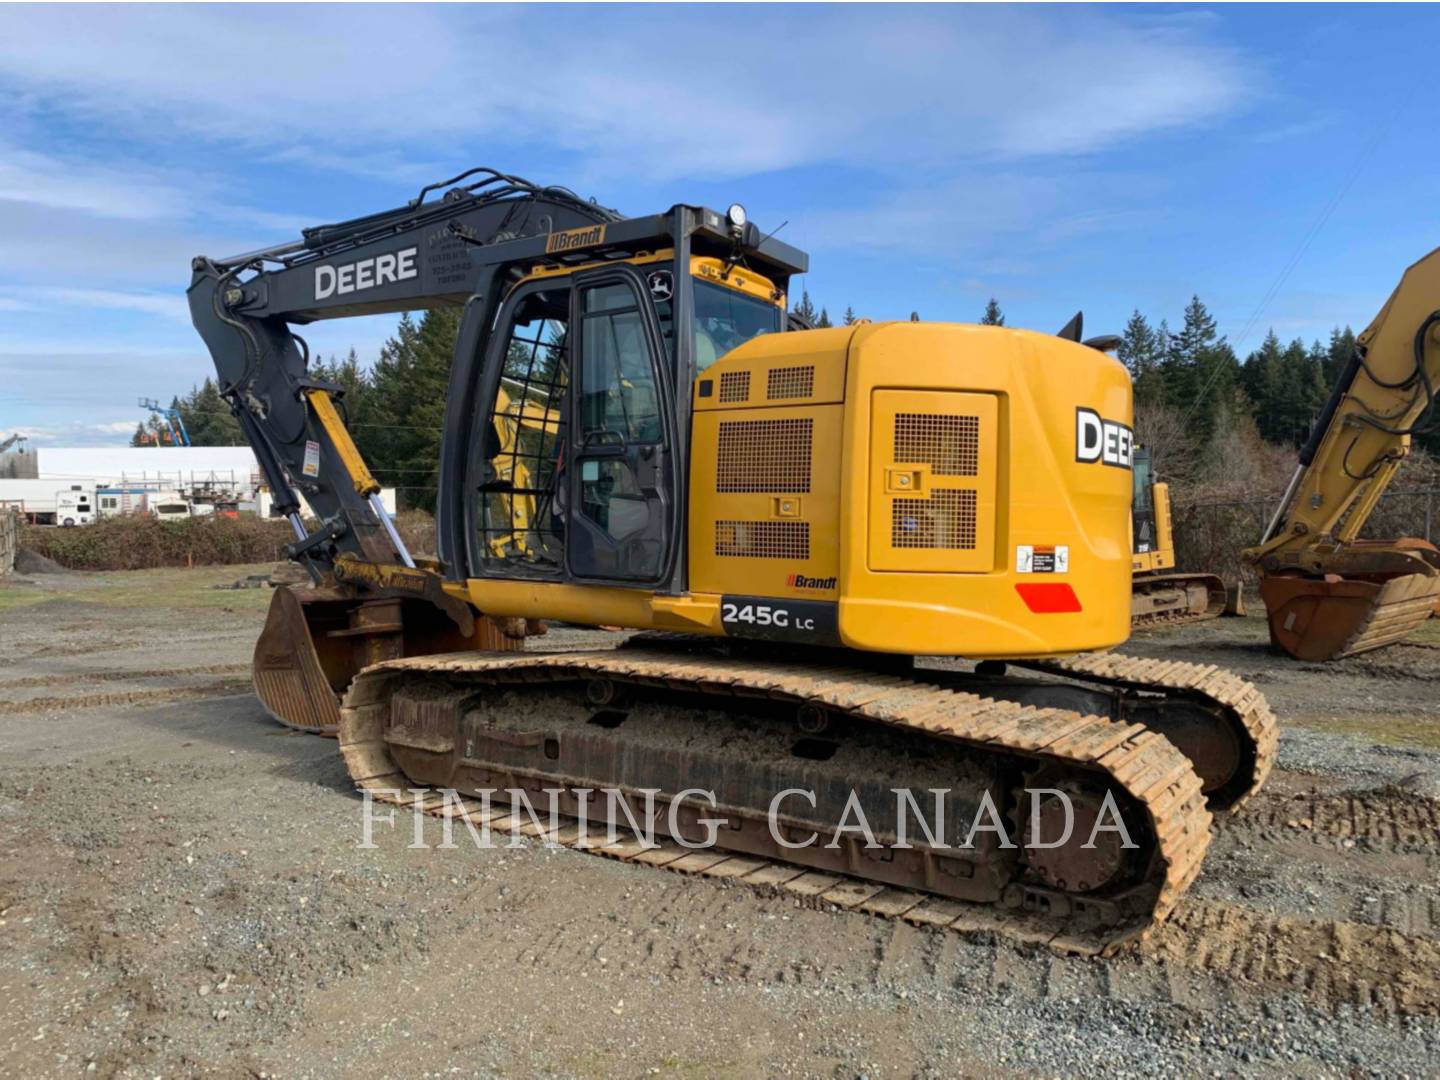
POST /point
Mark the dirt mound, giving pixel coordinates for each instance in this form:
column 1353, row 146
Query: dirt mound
column 32, row 562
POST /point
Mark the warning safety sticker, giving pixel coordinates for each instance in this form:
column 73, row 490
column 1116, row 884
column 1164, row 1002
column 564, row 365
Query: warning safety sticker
column 312, row 459
column 1042, row 559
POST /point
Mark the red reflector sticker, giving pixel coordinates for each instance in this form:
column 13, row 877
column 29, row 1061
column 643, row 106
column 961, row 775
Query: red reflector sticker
column 1048, row 598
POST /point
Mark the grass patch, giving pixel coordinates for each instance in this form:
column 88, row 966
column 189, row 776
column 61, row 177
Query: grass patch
column 1386, row 729
column 19, row 596
column 1427, row 634
column 173, row 589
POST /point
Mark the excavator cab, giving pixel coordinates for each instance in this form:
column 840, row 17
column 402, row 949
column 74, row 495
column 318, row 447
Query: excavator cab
column 577, row 472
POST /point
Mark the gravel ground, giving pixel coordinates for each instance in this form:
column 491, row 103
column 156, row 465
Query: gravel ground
column 182, row 891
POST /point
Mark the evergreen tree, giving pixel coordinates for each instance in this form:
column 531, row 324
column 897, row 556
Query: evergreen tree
column 1342, row 347
column 407, row 396
column 1285, row 388
column 1200, row 370
column 823, row 322
column 805, row 309
column 993, row 315
column 208, row 418
column 1142, row 350
column 1302, row 394
column 849, row 315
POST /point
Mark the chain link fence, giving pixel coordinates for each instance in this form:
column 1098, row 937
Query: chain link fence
column 1210, row 535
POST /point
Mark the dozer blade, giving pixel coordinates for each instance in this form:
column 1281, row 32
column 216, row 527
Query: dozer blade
column 316, row 640
column 1333, row 617
column 1168, row 599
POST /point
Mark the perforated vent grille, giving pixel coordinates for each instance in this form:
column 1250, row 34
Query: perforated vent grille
column 734, row 386
column 763, row 539
column 945, row 520
column 950, row 445
column 764, row 455
column 790, row 382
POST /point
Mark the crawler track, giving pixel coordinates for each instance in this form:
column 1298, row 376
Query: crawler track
column 1175, row 599
column 1240, row 702
column 1153, row 779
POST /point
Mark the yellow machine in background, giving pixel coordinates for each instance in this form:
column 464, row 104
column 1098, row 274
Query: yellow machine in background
column 1159, row 597
column 1327, row 593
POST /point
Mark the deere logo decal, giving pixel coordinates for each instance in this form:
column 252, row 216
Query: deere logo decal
column 800, row 581
column 1107, row 441
column 571, row 239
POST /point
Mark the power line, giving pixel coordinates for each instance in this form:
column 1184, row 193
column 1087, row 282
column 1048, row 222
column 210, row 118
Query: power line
column 1361, row 160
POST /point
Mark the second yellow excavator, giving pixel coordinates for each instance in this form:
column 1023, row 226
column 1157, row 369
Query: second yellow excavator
column 865, row 560
column 1161, row 596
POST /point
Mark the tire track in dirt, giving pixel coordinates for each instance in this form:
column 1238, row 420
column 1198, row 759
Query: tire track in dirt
column 1392, row 821
column 129, row 697
column 1328, row 963
column 1410, row 913
column 63, row 677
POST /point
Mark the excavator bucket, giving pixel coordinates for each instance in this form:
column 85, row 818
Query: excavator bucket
column 316, row 640
column 1332, row 617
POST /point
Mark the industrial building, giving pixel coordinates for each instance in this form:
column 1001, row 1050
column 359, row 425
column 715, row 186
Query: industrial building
column 129, row 479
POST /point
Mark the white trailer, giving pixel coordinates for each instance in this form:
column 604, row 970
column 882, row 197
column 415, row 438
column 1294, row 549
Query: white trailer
column 74, row 506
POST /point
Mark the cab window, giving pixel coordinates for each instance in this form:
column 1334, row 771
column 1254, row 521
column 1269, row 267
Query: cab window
column 620, row 404
column 726, row 318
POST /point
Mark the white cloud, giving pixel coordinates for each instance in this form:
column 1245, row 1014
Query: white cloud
column 115, row 427
column 1001, row 220
column 165, row 305
column 128, row 192
column 899, row 85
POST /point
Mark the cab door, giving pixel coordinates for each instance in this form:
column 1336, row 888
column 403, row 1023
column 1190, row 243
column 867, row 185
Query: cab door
column 622, row 491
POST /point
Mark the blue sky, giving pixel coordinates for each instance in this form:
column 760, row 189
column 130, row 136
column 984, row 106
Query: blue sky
column 1104, row 158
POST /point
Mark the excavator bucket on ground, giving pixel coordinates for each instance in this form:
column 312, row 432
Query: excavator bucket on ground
column 1333, row 617
column 317, row 639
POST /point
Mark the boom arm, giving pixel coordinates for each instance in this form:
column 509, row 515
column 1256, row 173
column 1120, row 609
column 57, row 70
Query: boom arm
column 418, row 256
column 1361, row 438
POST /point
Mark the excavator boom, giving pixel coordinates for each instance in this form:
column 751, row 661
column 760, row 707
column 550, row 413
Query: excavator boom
column 1328, row 594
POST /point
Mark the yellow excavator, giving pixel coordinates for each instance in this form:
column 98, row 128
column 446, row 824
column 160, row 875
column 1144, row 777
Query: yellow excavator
column 859, row 559
column 1327, row 593
column 1159, row 595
